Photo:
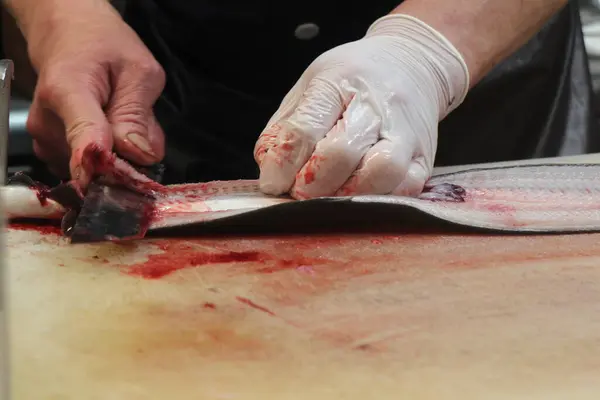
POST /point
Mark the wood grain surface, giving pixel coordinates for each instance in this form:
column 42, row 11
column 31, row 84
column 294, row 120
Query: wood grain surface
column 407, row 316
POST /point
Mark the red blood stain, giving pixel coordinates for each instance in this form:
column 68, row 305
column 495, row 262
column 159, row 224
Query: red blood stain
column 185, row 256
column 176, row 256
column 44, row 229
column 349, row 188
column 309, row 176
column 42, row 195
column 310, row 169
column 287, row 147
column 266, row 142
column 252, row 304
column 313, row 243
column 501, row 208
column 210, row 306
column 96, row 160
column 376, row 241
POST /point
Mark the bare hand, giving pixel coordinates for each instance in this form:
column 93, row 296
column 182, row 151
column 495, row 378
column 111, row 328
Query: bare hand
column 97, row 85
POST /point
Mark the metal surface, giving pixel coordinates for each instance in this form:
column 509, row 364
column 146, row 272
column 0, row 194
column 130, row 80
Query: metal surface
column 6, row 76
column 21, row 144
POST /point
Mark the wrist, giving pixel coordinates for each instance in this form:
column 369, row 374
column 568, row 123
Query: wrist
column 35, row 15
column 29, row 14
column 433, row 55
column 39, row 20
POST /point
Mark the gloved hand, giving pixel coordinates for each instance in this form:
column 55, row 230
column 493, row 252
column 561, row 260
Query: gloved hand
column 363, row 118
column 97, row 85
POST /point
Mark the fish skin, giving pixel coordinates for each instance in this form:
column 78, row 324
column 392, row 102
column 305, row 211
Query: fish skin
column 539, row 186
column 528, row 198
column 544, row 198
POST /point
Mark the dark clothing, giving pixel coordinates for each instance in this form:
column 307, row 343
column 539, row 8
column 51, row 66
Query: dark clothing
column 230, row 62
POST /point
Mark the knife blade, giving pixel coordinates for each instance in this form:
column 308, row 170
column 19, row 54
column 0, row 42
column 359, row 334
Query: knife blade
column 113, row 213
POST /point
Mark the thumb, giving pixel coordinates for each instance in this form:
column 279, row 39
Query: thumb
column 137, row 134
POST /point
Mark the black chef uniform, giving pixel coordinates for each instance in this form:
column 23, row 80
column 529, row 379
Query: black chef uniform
column 230, row 62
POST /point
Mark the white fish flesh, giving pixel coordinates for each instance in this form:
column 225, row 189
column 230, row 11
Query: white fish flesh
column 26, row 202
column 201, row 202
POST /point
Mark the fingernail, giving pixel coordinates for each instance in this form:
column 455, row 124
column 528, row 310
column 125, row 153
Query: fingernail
column 141, row 143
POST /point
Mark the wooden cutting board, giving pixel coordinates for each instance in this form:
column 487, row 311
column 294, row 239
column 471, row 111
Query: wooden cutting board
column 413, row 316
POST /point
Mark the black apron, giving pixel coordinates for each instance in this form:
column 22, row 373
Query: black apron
column 230, row 62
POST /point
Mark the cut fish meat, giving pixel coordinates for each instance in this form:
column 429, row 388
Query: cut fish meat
column 529, row 198
column 194, row 203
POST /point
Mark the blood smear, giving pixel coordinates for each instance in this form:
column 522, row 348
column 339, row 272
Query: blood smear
column 180, row 257
column 44, row 229
column 176, row 256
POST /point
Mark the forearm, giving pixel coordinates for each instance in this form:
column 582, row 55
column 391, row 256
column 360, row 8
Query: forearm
column 484, row 31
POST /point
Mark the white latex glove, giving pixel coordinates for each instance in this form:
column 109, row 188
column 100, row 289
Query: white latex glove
column 363, row 118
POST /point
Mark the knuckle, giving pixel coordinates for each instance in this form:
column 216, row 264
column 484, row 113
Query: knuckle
column 389, row 164
column 418, row 173
column 59, row 81
column 341, row 151
column 33, row 126
column 132, row 111
column 149, row 68
column 52, row 82
column 81, row 130
column 47, row 90
column 80, row 125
